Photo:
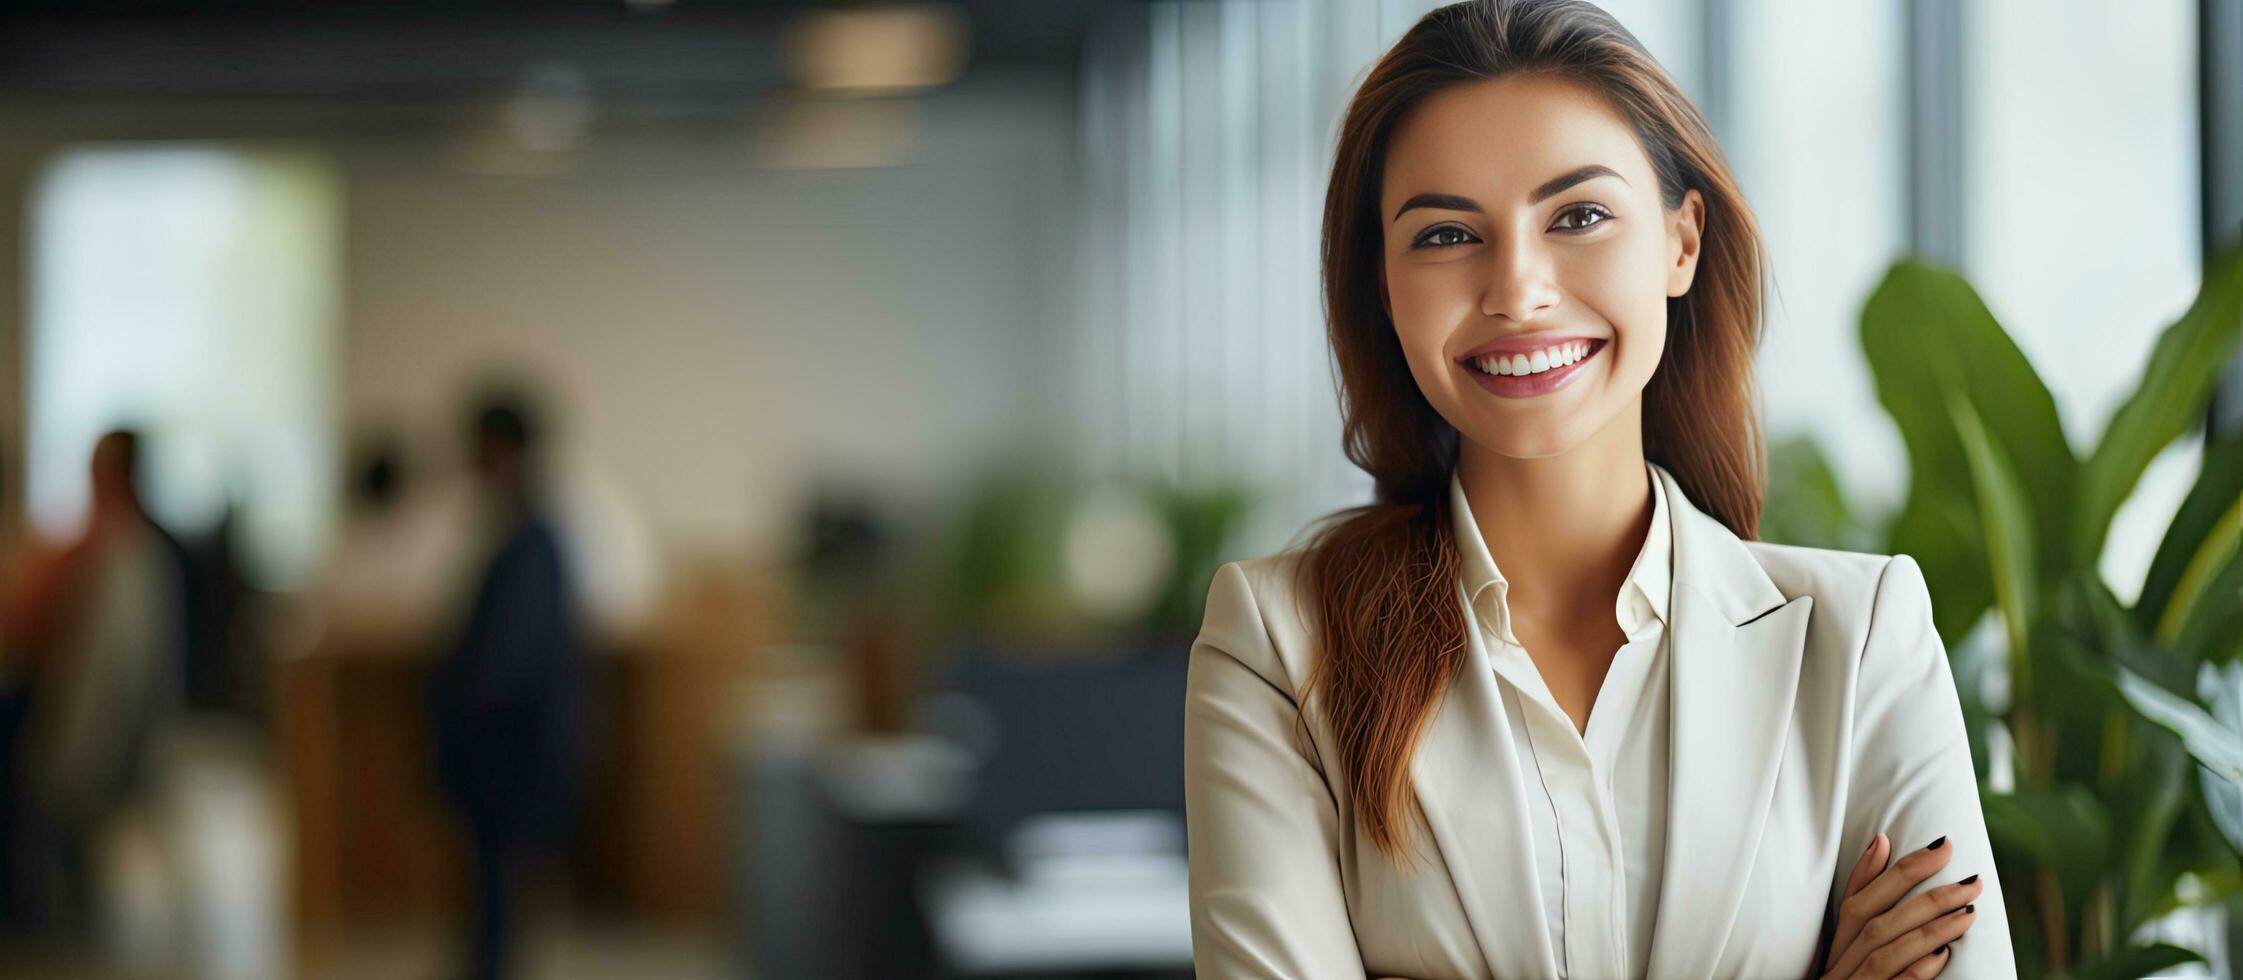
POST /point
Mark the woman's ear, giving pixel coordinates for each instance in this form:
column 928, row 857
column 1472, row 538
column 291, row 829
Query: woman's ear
column 1683, row 238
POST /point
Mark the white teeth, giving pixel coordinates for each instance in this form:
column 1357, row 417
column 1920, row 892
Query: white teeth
column 1514, row 365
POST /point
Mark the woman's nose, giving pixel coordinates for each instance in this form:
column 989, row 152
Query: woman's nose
column 1520, row 285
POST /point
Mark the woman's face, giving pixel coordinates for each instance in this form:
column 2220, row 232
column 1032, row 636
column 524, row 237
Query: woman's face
column 1524, row 231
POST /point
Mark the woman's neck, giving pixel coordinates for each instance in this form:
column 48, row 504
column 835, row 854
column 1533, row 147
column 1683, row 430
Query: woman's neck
column 1564, row 529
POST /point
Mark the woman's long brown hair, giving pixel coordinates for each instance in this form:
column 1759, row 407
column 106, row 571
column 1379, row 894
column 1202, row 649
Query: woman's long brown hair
column 1383, row 578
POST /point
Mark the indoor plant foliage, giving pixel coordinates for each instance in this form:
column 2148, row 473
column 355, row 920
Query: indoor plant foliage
column 2123, row 723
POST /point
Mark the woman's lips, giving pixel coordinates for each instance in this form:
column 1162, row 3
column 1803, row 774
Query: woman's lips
column 1530, row 385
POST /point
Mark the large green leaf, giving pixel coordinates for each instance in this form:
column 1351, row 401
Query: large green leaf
column 2135, row 962
column 1805, row 504
column 2216, row 746
column 1940, row 530
column 2183, row 368
column 2221, row 689
column 2204, row 532
column 2212, row 630
column 2097, row 618
column 2150, row 806
column 2006, row 524
column 2064, row 830
column 2073, row 700
column 1927, row 335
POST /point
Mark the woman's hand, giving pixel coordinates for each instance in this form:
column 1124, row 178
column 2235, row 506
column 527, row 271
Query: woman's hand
column 1879, row 935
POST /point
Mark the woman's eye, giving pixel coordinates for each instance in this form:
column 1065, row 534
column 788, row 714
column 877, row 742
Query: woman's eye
column 1585, row 210
column 1442, row 236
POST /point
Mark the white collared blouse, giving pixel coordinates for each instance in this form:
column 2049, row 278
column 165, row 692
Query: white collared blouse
column 1597, row 799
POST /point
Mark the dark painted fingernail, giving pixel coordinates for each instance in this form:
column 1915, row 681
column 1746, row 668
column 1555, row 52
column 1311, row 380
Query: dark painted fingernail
column 1942, row 949
column 1934, row 845
column 1973, row 907
column 1968, row 880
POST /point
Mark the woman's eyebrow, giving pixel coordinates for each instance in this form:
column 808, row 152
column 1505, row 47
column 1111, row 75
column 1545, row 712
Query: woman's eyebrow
column 1549, row 189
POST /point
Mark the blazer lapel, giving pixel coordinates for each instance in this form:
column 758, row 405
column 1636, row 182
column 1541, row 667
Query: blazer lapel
column 1736, row 646
column 1467, row 779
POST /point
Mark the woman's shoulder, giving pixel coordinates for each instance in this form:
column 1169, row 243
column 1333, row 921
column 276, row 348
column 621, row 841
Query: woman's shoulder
column 1839, row 580
column 1255, row 614
column 1866, row 602
column 1271, row 577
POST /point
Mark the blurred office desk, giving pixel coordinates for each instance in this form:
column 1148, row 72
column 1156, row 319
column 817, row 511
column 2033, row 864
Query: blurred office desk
column 378, row 849
column 376, row 846
column 1085, row 908
column 833, row 828
column 1027, row 827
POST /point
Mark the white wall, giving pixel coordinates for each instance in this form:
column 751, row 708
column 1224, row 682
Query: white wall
column 724, row 334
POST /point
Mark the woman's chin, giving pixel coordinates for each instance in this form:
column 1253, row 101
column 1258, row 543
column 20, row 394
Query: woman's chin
column 1510, row 446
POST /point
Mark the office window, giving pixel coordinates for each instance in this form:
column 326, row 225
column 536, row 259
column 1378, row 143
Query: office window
column 2081, row 224
column 1817, row 135
column 191, row 292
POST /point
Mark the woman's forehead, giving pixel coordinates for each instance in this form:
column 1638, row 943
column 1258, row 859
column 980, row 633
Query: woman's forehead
column 1497, row 140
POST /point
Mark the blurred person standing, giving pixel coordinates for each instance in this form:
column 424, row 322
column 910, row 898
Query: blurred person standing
column 105, row 671
column 35, row 571
column 508, row 696
column 399, row 558
column 22, row 555
column 220, row 666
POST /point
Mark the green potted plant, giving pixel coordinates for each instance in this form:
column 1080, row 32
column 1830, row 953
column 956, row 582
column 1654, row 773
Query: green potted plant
column 2122, row 721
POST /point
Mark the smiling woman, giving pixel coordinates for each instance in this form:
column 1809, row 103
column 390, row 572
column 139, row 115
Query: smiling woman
column 1545, row 707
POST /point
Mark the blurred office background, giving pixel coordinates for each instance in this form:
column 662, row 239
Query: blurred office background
column 890, row 378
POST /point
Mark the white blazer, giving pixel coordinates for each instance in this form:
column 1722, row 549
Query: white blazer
column 1812, row 708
